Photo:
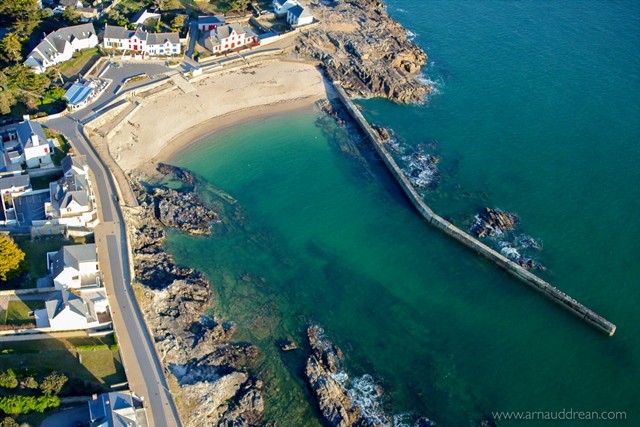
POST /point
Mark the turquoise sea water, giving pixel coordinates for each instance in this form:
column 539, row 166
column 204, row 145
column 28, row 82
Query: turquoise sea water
column 536, row 113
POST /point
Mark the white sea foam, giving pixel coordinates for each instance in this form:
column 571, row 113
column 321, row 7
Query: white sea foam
column 366, row 394
column 435, row 86
column 411, row 36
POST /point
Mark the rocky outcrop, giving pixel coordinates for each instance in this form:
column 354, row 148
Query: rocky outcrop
column 322, row 372
column 183, row 210
column 493, row 221
column 367, row 51
column 196, row 348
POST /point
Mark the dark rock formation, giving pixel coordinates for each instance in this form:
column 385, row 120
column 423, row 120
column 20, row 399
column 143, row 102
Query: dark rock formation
column 360, row 45
column 180, row 173
column 183, row 210
column 195, row 347
column 493, row 221
column 321, row 371
column 288, row 345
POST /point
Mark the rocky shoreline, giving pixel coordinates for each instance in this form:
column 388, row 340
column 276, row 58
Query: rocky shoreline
column 197, row 349
column 367, row 51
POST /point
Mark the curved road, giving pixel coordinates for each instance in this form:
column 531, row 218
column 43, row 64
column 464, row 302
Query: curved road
column 141, row 363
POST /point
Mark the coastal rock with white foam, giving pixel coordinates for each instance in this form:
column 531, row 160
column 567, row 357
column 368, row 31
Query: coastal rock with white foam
column 323, row 372
column 369, row 52
column 196, row 347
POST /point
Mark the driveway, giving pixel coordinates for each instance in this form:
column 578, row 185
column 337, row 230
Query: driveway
column 68, row 417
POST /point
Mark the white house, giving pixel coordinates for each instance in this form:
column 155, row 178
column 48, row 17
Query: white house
column 117, row 408
column 228, row 37
column 72, row 201
column 143, row 15
column 280, row 7
column 68, row 312
column 208, row 23
column 36, row 148
column 141, row 42
column 298, row 16
column 74, row 266
column 60, row 45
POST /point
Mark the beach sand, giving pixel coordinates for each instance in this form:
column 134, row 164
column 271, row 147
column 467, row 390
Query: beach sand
column 167, row 122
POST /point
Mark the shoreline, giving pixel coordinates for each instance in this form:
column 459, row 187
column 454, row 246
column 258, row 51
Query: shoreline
column 214, row 125
column 167, row 122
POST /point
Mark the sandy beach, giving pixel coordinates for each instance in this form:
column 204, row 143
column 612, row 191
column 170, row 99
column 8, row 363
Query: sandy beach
column 167, row 122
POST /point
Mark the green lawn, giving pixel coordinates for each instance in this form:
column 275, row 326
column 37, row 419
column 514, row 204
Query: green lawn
column 36, row 255
column 101, row 368
column 17, row 312
column 79, row 61
column 60, row 153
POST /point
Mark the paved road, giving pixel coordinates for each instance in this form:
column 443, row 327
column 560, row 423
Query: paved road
column 141, row 363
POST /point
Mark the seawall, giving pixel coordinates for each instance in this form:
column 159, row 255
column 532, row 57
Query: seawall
column 435, row 220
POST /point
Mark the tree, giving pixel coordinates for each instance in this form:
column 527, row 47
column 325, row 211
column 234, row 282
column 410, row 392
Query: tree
column 24, row 14
column 71, row 15
column 7, row 100
column 15, row 405
column 178, row 22
column 9, row 422
column 239, row 5
column 29, row 382
column 11, row 257
column 8, row 381
column 11, row 48
column 53, row 383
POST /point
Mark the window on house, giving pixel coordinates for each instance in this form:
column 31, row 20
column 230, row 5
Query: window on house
column 75, row 277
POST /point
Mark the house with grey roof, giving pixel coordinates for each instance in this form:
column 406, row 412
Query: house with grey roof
column 280, row 7
column 229, row 37
column 72, row 201
column 68, row 312
column 298, row 16
column 140, row 42
column 74, row 266
column 74, row 165
column 140, row 17
column 117, row 409
column 34, row 146
column 208, row 23
column 60, row 45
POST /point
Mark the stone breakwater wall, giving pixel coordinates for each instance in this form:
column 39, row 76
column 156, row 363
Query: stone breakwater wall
column 435, row 220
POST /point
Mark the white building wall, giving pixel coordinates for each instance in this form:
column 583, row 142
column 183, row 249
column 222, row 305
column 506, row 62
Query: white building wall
column 87, row 43
column 68, row 278
column 38, row 155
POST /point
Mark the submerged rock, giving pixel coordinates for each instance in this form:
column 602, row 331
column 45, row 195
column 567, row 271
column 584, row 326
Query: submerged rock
column 288, row 345
column 180, row 173
column 493, row 221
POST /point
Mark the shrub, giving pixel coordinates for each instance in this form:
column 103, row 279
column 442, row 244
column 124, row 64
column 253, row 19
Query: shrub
column 53, row 383
column 15, row 405
column 8, row 381
column 29, row 382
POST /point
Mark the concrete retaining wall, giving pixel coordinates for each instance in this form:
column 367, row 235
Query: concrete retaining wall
column 432, row 218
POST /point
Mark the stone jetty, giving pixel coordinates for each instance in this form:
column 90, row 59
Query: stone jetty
column 432, row 218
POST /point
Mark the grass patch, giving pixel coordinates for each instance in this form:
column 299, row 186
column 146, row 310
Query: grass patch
column 102, row 367
column 78, row 62
column 36, row 255
column 61, row 151
column 17, row 312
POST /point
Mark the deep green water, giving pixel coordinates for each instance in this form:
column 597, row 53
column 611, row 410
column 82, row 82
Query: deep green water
column 537, row 113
